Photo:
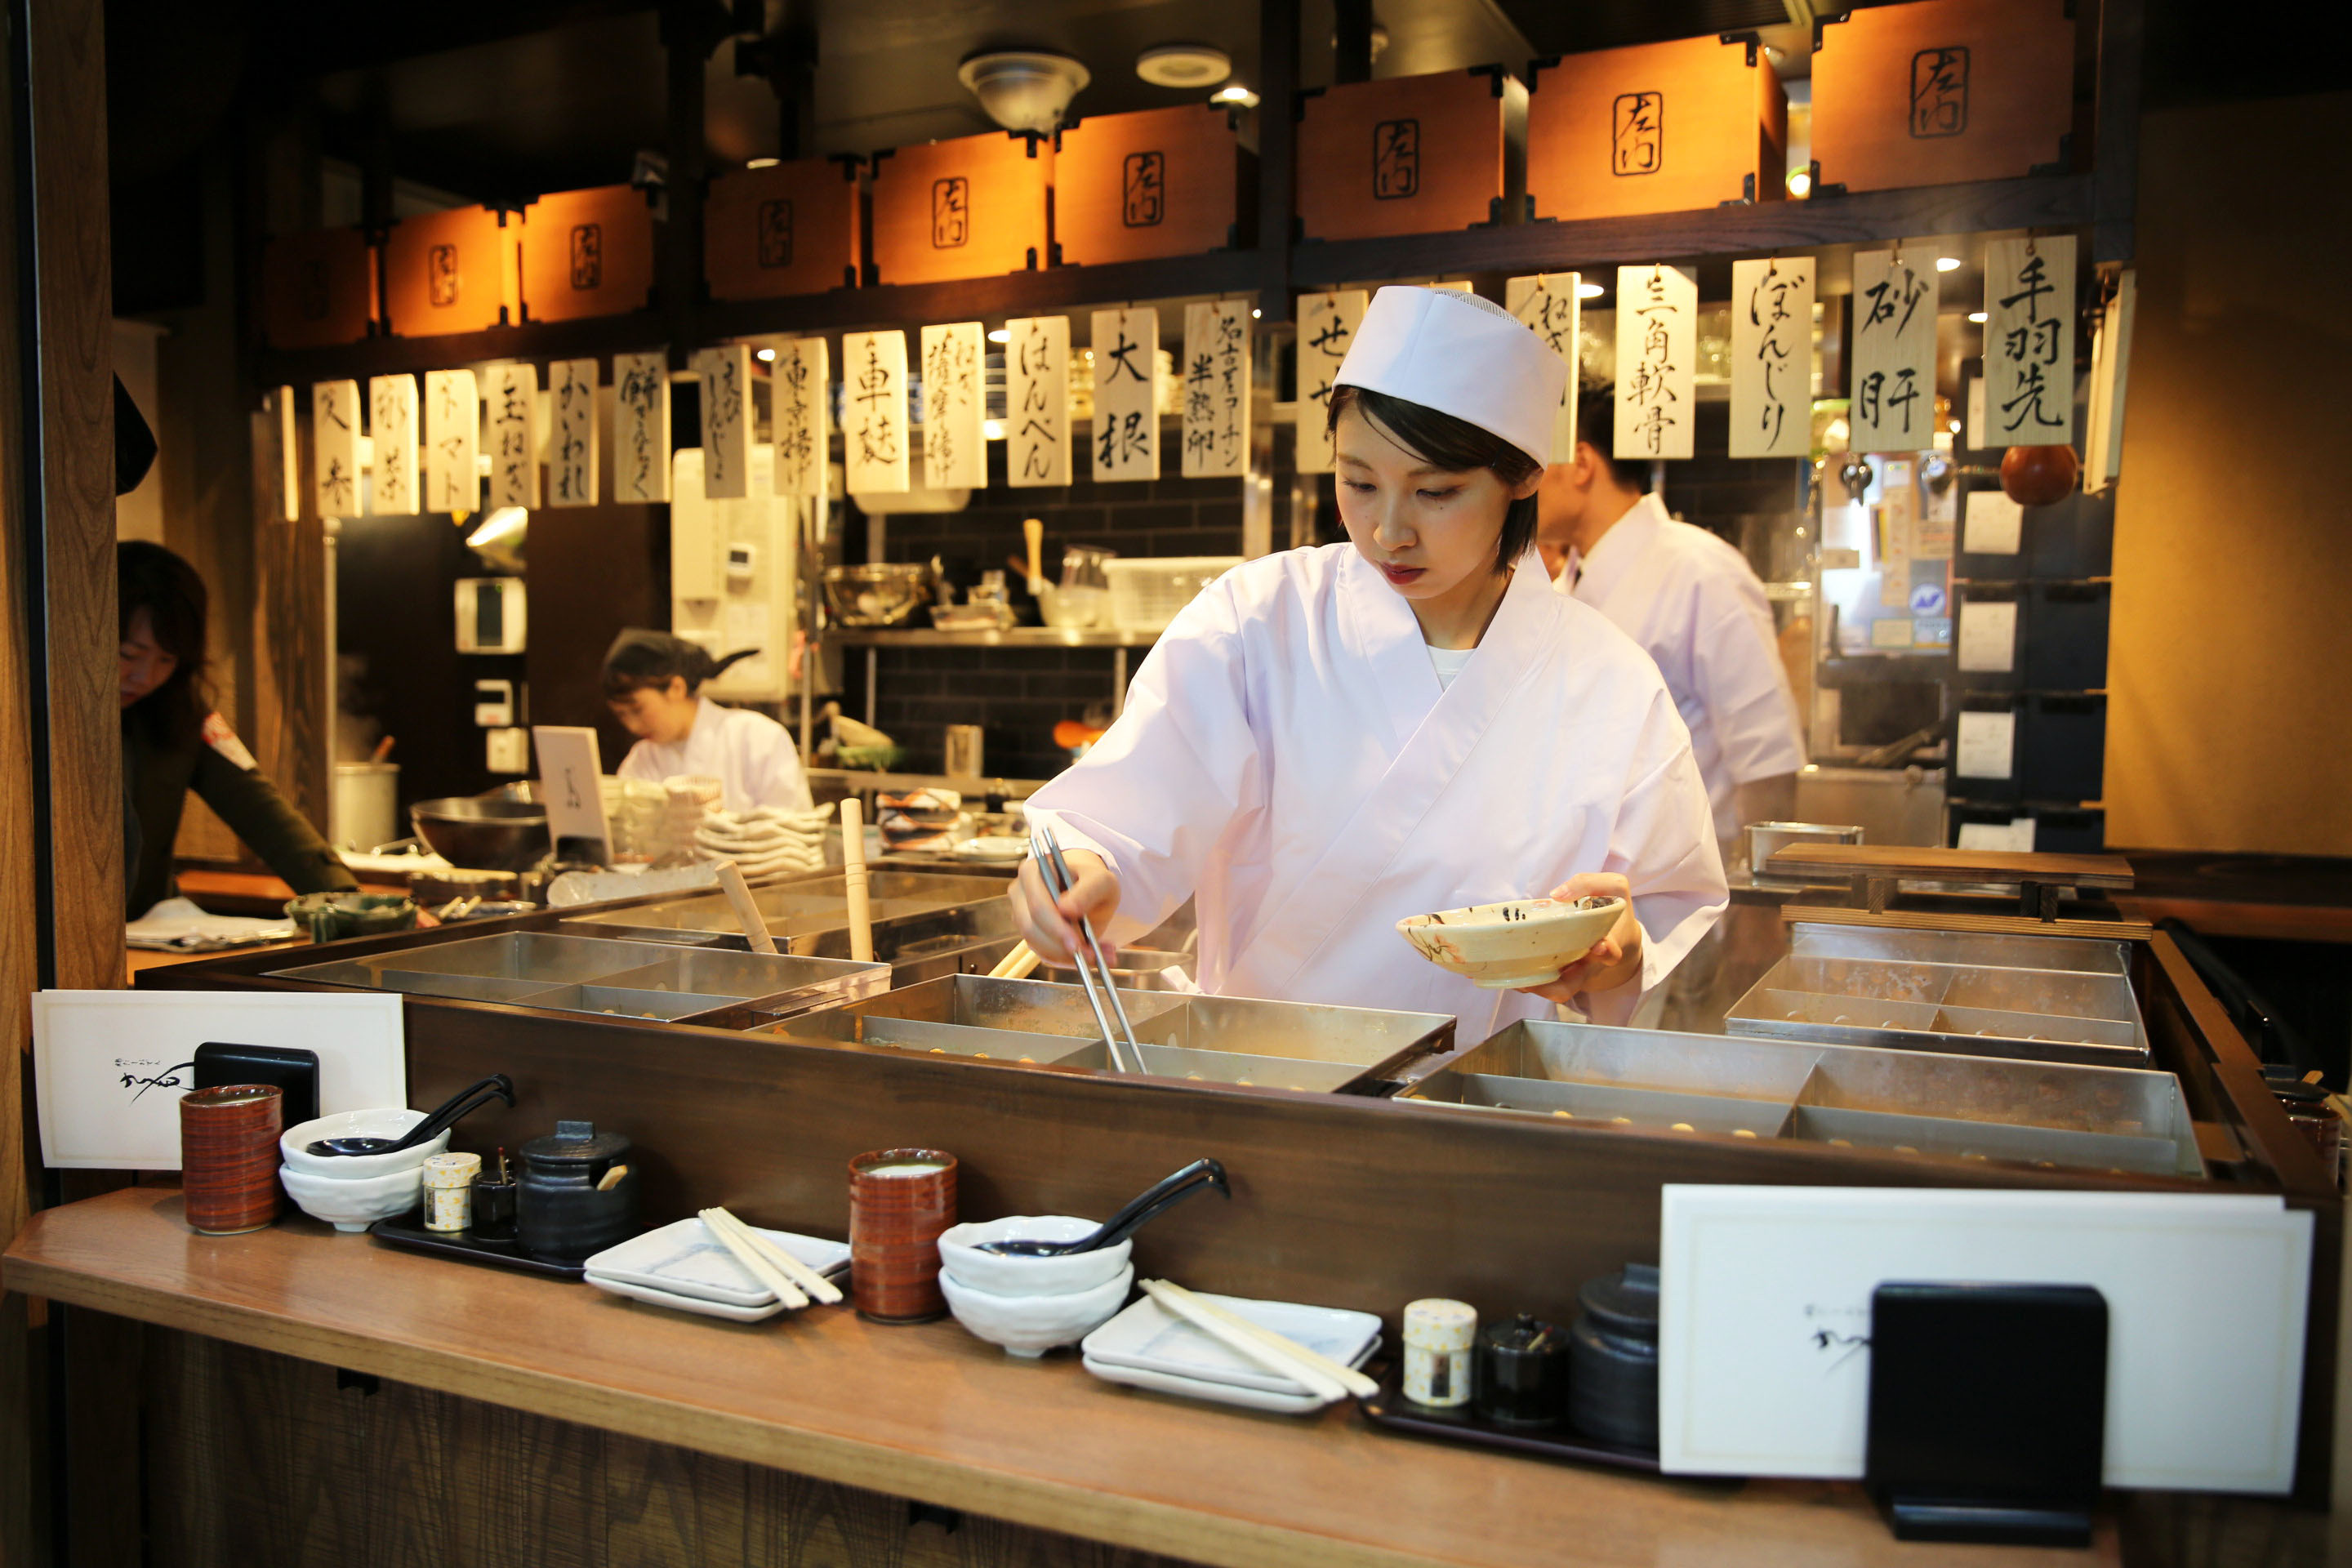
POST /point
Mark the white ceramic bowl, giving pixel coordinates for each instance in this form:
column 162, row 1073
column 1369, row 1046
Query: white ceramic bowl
column 1502, row 947
column 1032, row 1325
column 357, row 1204
column 960, row 1255
column 293, row 1146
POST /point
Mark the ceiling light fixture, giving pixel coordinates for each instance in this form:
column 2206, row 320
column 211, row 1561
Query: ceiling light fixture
column 1977, row 317
column 1024, row 90
column 761, row 163
column 1001, row 335
column 1948, row 264
column 1236, row 94
column 1183, row 66
column 1256, row 313
column 1801, row 183
column 766, row 354
column 1590, row 290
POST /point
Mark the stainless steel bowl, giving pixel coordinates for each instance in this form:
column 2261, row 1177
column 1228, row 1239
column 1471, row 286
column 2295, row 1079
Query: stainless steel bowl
column 884, row 595
column 482, row 834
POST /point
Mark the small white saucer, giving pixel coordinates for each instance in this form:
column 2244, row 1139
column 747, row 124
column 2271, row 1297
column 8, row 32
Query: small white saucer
column 676, row 1302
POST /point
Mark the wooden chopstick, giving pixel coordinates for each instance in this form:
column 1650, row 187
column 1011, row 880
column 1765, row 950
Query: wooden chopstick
column 1356, row 1382
column 747, row 909
column 765, row 1272
column 1282, row 1357
column 1017, row 965
column 853, row 878
column 814, row 1283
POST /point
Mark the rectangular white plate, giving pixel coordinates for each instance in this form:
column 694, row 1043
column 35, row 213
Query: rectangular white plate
column 686, row 1260
column 1299, row 1404
column 676, row 1302
column 1147, row 1338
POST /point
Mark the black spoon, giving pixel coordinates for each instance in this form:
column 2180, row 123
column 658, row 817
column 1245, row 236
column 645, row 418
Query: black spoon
column 464, row 1104
column 1148, row 1205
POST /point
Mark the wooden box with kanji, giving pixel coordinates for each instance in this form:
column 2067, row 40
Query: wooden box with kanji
column 1656, row 128
column 1160, row 182
column 1411, row 154
column 448, row 272
column 587, row 253
column 789, row 228
column 1939, row 91
column 318, row 290
column 974, row 206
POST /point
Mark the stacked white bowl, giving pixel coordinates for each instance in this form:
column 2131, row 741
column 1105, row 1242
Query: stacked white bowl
column 1030, row 1305
column 351, row 1192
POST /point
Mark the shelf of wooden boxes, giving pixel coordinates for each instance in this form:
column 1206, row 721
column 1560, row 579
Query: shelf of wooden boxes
column 586, row 253
column 972, row 207
column 449, row 272
column 789, row 228
column 1409, row 155
column 1158, row 182
column 1656, row 128
column 318, row 290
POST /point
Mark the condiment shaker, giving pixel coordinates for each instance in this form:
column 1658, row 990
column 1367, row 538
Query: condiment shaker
column 449, row 1191
column 1522, row 1373
column 1438, row 1336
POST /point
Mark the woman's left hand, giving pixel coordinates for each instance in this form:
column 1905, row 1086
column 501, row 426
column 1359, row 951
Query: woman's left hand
column 1615, row 959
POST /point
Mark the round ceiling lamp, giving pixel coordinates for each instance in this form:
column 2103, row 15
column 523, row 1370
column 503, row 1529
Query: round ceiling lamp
column 1024, row 90
column 1188, row 66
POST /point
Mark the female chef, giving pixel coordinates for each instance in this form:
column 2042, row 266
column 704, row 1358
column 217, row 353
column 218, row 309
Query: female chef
column 653, row 682
column 1327, row 741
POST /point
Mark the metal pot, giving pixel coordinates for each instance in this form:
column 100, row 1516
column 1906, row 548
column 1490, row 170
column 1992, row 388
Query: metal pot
column 882, row 595
column 483, row 834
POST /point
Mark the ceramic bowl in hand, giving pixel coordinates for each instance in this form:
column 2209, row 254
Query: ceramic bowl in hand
column 1001, row 1275
column 1503, row 947
column 358, row 1202
column 294, row 1146
column 1032, row 1325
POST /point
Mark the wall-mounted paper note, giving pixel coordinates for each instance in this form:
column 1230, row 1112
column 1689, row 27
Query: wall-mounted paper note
column 2014, row 836
column 1973, row 433
column 514, row 435
column 1126, row 442
column 335, row 447
column 1657, row 361
column 873, row 412
column 1987, row 747
column 955, row 450
column 392, row 429
column 2029, row 340
column 641, row 426
column 1549, row 304
column 1216, row 377
column 1327, row 325
column 569, row 787
column 1894, row 376
column 1038, row 400
column 1995, row 524
column 571, row 455
column 453, row 434
column 797, row 382
column 1898, row 520
column 1987, row 635
column 1892, row 631
column 1772, row 357
column 725, row 373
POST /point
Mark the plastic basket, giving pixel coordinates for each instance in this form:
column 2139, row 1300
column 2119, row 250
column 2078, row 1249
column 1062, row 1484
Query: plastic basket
column 1146, row 594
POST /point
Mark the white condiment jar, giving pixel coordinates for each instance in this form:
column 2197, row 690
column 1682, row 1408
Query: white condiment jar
column 1439, row 1335
column 449, row 1191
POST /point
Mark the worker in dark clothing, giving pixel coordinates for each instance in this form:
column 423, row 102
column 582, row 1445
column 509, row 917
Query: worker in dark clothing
column 173, row 741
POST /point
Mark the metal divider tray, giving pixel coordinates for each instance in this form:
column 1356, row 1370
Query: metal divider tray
column 585, row 974
column 1907, row 1101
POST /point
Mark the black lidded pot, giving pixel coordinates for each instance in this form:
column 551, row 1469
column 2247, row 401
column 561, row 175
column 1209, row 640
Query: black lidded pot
column 560, row 1212
column 1522, row 1373
column 1613, row 1389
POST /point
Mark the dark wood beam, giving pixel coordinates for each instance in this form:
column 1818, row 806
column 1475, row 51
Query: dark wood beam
column 2114, row 170
column 1277, row 139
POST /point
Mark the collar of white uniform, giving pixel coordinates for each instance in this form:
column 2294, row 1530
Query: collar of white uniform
column 707, row 719
column 1594, row 574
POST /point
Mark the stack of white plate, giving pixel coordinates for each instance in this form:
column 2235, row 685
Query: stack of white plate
column 683, row 1267
column 1149, row 1347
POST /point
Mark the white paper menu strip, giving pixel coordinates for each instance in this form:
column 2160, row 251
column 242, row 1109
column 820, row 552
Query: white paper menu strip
column 1327, row 325
column 1772, row 357
column 1987, row 747
column 1037, row 401
column 1657, row 361
column 1549, row 304
column 1995, row 525
column 1988, row 636
column 335, row 447
column 873, row 412
column 392, row 428
column 1216, row 374
column 1127, row 395
column 452, row 435
column 797, row 384
column 571, row 454
column 725, row 373
column 1894, row 374
column 641, row 426
column 955, row 449
column 2028, row 342
column 514, row 435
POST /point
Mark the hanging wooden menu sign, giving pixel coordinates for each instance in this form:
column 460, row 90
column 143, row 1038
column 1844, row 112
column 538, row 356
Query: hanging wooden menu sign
column 1327, row 325
column 641, row 426
column 1657, row 350
column 1037, row 401
column 391, row 426
column 873, row 412
column 725, row 373
column 955, row 439
column 1127, row 395
column 572, row 451
column 1772, row 357
column 335, row 447
column 514, row 435
column 797, row 382
column 1894, row 407
column 452, row 425
column 1547, row 303
column 2028, row 342
column 1216, row 378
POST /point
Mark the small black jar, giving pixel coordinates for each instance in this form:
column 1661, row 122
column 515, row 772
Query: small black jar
column 1613, row 1358
column 1522, row 1373
column 561, row 1208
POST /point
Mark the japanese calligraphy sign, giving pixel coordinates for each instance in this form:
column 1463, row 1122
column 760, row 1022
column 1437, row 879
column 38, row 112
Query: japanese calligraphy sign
column 1772, row 357
column 391, row 426
column 641, row 426
column 1657, row 355
column 1216, row 383
column 798, row 382
column 873, row 412
column 1327, row 325
column 1893, row 337
column 1546, row 303
column 1038, row 400
column 571, row 446
column 955, row 454
column 335, row 447
column 725, row 373
column 514, row 435
column 453, row 433
column 1127, row 395
column 2029, row 342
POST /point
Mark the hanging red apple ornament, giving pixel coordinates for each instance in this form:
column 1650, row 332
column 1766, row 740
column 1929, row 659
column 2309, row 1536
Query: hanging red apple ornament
column 2039, row 476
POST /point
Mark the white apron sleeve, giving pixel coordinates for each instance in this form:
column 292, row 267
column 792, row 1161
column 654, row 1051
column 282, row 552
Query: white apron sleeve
column 640, row 764
column 771, row 767
column 1663, row 842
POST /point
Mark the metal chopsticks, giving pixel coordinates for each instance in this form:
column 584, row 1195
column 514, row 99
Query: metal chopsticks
column 1047, row 852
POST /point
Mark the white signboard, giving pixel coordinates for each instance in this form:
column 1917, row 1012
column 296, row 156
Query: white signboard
column 453, row 434
column 797, row 383
column 1549, row 304
column 955, row 450
column 2029, row 342
column 641, row 426
column 392, row 427
column 726, row 376
column 571, row 450
column 873, row 412
column 335, row 447
column 1127, row 395
column 569, row 787
column 1216, row 385
column 1772, row 357
column 514, row 435
column 1327, row 325
column 1037, row 401
column 1657, row 355
column 1894, row 379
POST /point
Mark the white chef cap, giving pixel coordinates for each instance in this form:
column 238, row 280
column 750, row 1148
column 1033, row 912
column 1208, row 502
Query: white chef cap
column 1461, row 355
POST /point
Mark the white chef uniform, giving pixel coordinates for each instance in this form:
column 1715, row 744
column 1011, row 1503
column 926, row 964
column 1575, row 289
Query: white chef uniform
column 1692, row 600
column 751, row 755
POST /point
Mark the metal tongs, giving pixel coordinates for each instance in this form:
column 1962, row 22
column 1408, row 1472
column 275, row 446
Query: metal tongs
column 1047, row 853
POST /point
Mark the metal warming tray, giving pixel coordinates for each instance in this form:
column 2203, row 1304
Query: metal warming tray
column 925, row 924
column 1903, row 1101
column 586, row 975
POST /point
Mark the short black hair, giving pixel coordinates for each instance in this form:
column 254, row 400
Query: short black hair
column 641, row 657
column 1457, row 447
column 150, row 578
column 1596, row 427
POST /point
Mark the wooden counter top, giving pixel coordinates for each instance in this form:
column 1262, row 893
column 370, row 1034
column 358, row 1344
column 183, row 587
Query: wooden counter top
column 932, row 1414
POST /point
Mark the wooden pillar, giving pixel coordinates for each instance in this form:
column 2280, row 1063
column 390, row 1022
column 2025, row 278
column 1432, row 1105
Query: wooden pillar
column 1277, row 137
